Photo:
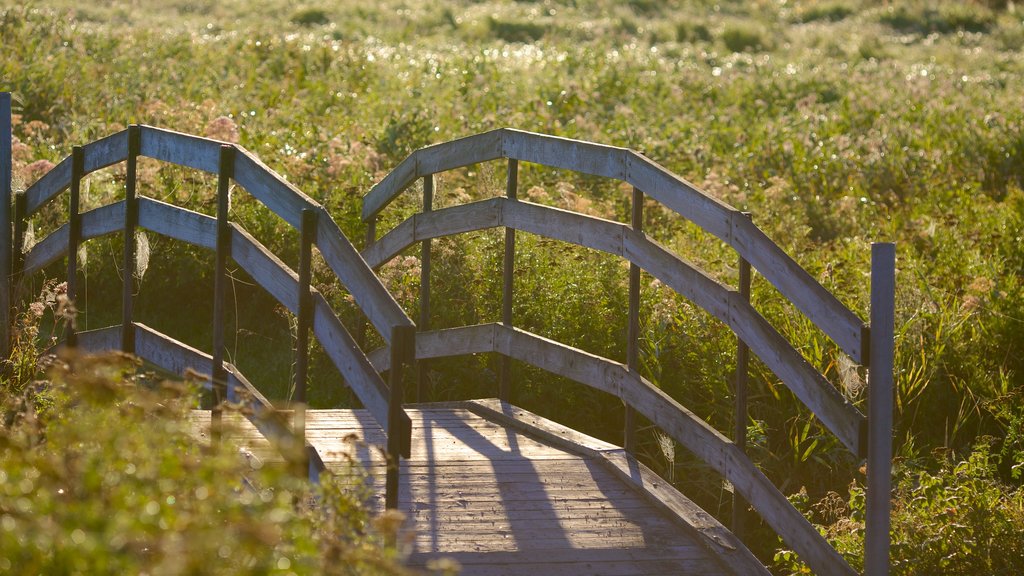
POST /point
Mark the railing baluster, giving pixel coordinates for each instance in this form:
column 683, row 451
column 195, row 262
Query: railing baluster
column 8, row 245
column 17, row 247
column 305, row 319
column 880, row 406
column 224, row 174
column 511, row 192
column 421, row 366
column 739, row 505
column 131, row 221
column 403, row 344
column 633, row 330
column 74, row 235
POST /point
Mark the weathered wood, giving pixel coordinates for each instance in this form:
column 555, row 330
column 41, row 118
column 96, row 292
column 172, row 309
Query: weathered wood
column 453, row 220
column 105, row 152
column 100, row 340
column 403, row 351
column 565, row 153
column 430, row 160
column 714, row 216
column 8, row 243
column 343, row 351
column 459, row 341
column 102, row 221
column 633, row 321
column 834, row 411
column 265, row 268
column 684, row 427
column 220, row 281
column 48, row 186
column 365, row 287
column 508, row 279
column 880, row 407
column 819, row 305
column 305, row 315
column 46, row 251
column 423, row 377
column 572, row 227
column 181, row 149
column 74, row 234
column 267, row 186
column 178, row 223
column 391, row 244
column 740, row 415
column 170, row 354
column 678, row 274
column 128, row 257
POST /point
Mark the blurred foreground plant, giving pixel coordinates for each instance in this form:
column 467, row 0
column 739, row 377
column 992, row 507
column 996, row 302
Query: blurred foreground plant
column 103, row 474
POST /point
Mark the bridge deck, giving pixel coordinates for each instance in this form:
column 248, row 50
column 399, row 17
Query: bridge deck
column 504, row 491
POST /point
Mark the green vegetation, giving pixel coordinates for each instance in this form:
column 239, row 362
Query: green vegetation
column 834, row 123
column 102, row 474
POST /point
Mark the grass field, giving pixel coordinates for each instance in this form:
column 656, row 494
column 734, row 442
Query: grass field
column 836, row 123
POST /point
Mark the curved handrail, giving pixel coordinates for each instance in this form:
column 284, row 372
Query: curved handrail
column 731, row 306
column 263, row 266
column 717, row 218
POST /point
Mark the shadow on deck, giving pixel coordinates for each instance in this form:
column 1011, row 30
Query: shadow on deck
column 504, row 491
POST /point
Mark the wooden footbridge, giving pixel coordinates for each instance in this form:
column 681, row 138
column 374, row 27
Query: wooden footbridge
column 501, row 490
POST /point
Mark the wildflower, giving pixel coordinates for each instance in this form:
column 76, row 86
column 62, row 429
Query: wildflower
column 222, row 128
column 36, row 170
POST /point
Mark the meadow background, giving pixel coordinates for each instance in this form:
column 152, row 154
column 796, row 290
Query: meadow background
column 835, row 123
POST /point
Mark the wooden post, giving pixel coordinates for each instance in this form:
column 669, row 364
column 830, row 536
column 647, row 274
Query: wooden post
column 739, row 504
column 633, row 331
column 225, row 171
column 7, row 244
column 512, row 193
column 305, row 316
column 880, row 407
column 131, row 221
column 403, row 349
column 371, row 237
column 421, row 367
column 74, row 234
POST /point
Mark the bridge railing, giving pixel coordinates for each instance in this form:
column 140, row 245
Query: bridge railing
column 868, row 345
column 228, row 239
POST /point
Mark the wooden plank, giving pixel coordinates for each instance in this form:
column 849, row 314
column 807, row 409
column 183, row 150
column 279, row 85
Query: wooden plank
column 178, row 223
column 47, row 251
column 100, row 339
column 46, row 188
column 680, row 196
column 582, row 562
column 703, row 526
column 103, row 220
column 9, row 222
column 817, row 393
column 343, row 351
column 565, row 153
column 169, row 354
column 459, row 219
column 265, row 268
column 267, row 186
column 391, row 244
column 105, row 151
column 819, row 305
column 372, row 297
column 181, row 149
column 572, row 227
column 430, row 160
column 684, row 427
column 678, row 274
column 880, row 407
column 476, row 339
column 722, row 455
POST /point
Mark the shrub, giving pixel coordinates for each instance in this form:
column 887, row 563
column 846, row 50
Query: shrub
column 103, row 476
column 745, row 38
column 828, row 11
column 310, row 17
column 516, row 30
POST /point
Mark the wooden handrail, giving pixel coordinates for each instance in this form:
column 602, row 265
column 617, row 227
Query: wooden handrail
column 717, row 218
column 721, row 301
column 282, row 198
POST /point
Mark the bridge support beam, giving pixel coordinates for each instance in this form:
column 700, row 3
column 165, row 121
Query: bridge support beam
column 880, row 406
